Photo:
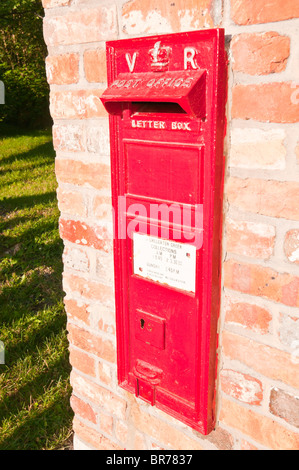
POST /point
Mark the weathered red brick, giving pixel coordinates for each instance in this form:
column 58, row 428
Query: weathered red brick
column 260, row 53
column 95, row 65
column 291, row 246
column 250, row 239
column 93, row 437
column 69, row 138
column 91, row 343
column 108, row 401
column 267, row 197
column 266, row 102
column 249, row 316
column 269, row 361
column 260, row 11
column 76, row 258
column 97, row 237
column 76, row 172
column 90, row 290
column 262, row 429
column 241, row 386
column 71, row 202
column 55, row 3
column 253, row 148
column 285, row 405
column 77, row 310
column 76, row 104
column 84, row 410
column 166, row 16
column 63, row 69
column 83, row 26
column 261, row 281
column 82, row 362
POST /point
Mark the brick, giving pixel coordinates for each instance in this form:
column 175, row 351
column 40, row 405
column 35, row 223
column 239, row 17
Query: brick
column 241, row 386
column 83, row 409
column 106, row 423
column 91, row 343
column 165, row 433
column 97, row 137
column 266, row 360
column 97, row 236
column 71, row 202
column 121, row 432
column 77, row 310
column 91, row 290
column 76, row 259
column 248, row 316
column 103, row 315
column 246, row 12
column 105, row 268
column 82, row 362
column 55, row 3
column 262, row 429
column 266, row 102
column 95, row 65
column 291, row 246
column 76, row 104
column 288, row 331
column 62, row 69
column 260, row 54
column 285, row 406
column 79, row 27
column 96, row 175
column 102, row 207
column 250, row 239
column 253, row 148
column 166, row 16
column 69, row 138
column 221, row 438
column 266, row 197
column 105, row 373
column 140, row 442
column 262, row 282
column 93, row 437
column 100, row 396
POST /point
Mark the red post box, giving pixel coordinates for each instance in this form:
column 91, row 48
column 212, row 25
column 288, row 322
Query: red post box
column 166, row 100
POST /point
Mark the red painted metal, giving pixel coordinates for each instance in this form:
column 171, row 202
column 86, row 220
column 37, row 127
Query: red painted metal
column 166, row 96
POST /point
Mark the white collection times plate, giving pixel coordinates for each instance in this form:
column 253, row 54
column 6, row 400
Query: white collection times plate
column 165, row 261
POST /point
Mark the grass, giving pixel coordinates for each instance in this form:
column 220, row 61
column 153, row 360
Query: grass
column 34, row 381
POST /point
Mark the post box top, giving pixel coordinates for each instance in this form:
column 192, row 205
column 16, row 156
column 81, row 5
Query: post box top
column 184, row 87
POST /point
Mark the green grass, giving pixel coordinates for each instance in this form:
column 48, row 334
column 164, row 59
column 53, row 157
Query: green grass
column 34, row 381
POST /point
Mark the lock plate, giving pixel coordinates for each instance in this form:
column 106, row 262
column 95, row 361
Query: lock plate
column 150, row 329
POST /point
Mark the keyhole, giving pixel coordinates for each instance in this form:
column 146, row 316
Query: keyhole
column 142, row 323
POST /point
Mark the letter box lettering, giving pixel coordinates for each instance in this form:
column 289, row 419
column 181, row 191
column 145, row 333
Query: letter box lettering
column 166, row 99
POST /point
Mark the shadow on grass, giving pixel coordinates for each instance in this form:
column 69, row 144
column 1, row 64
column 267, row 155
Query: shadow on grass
column 42, row 422
column 8, row 205
column 8, row 130
column 41, row 150
column 35, row 379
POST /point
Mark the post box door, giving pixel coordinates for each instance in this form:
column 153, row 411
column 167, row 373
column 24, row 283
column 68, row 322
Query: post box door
column 166, row 99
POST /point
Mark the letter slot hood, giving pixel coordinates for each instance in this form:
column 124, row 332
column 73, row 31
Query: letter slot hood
column 185, row 88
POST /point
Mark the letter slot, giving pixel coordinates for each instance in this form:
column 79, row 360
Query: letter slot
column 166, row 99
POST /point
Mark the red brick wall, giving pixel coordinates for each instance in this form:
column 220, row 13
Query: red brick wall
column 257, row 399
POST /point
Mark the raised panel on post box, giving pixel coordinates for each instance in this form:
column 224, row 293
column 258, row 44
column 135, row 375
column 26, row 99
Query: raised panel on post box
column 166, row 99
